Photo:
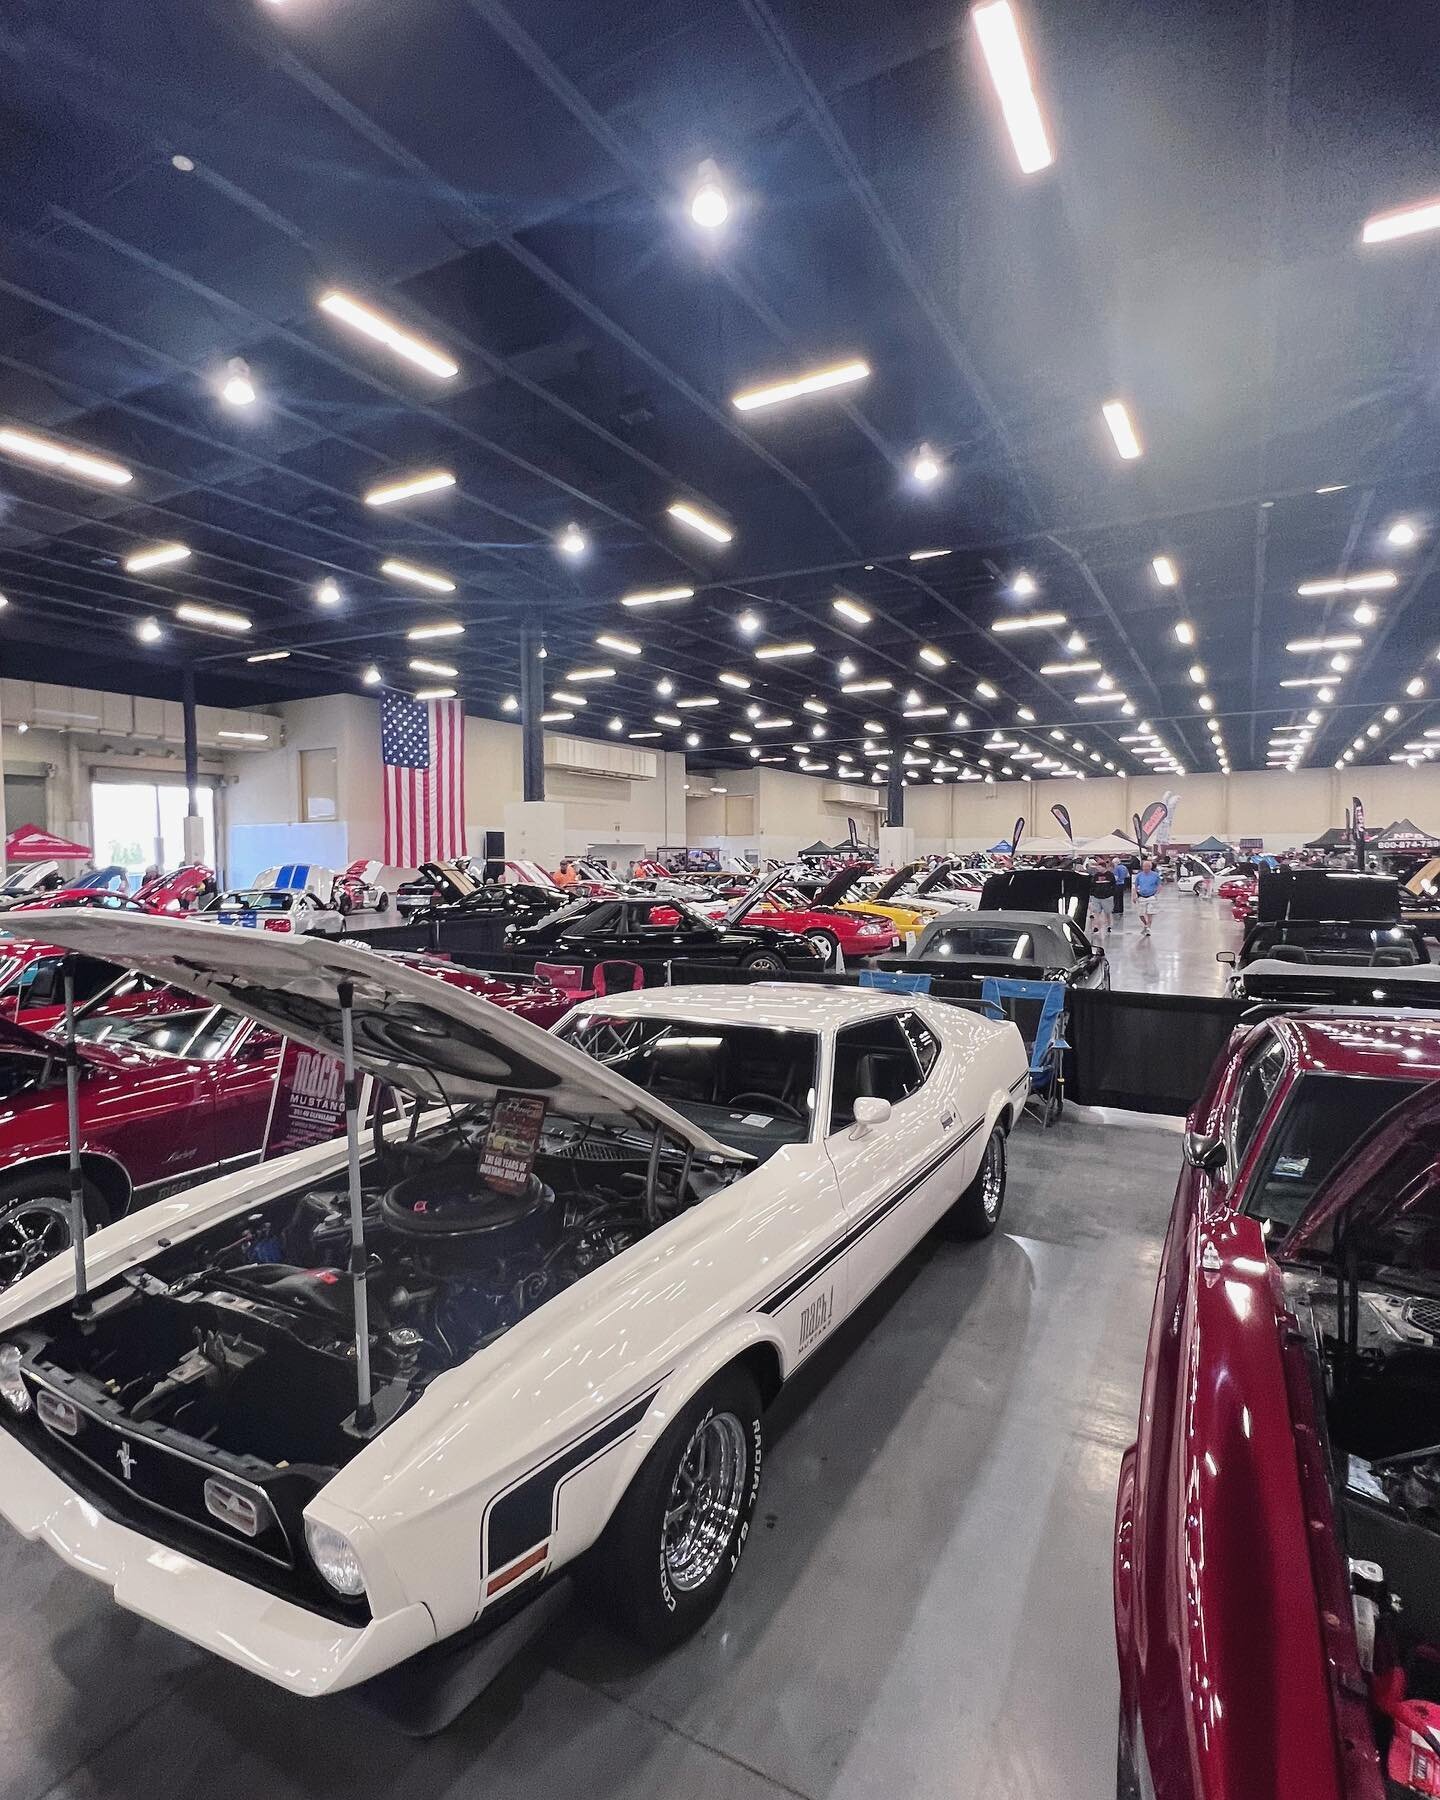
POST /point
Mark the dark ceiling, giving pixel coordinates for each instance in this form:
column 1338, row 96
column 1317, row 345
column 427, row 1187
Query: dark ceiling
column 510, row 182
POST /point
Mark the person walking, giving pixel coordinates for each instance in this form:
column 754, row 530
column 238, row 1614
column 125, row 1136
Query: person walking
column 1147, row 886
column 1102, row 902
column 1121, row 871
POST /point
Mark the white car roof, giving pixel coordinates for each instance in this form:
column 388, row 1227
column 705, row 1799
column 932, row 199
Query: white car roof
column 789, row 1005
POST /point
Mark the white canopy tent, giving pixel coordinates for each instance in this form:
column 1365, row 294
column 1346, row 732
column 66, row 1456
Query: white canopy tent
column 1112, row 844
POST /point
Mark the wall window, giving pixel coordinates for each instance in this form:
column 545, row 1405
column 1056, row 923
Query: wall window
column 138, row 823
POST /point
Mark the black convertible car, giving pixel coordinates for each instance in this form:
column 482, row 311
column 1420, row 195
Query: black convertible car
column 448, row 891
column 1326, row 935
column 653, row 930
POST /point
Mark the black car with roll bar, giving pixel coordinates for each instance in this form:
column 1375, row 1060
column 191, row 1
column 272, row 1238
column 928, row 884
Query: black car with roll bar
column 1326, row 935
column 653, row 930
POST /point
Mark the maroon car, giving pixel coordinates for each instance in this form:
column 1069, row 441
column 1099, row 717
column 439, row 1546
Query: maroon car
column 1277, row 1544
column 168, row 1096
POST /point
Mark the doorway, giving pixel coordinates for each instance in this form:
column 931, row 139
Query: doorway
column 138, row 823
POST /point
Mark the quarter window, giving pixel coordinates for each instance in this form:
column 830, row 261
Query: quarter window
column 1259, row 1081
column 923, row 1042
column 873, row 1059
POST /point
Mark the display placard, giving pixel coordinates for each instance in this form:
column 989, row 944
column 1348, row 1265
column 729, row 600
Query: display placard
column 308, row 1105
column 512, row 1141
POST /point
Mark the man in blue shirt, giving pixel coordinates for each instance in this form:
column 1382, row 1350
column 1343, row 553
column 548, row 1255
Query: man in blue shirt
column 1121, row 871
column 1147, row 886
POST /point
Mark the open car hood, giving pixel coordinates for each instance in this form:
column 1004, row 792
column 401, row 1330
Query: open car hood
column 1037, row 890
column 1328, row 894
column 748, row 901
column 838, row 886
column 1384, row 1190
column 412, row 1032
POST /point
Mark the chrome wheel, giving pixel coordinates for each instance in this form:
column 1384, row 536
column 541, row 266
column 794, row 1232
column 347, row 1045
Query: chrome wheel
column 992, row 1177
column 31, row 1232
column 705, row 1500
column 763, row 963
column 824, row 945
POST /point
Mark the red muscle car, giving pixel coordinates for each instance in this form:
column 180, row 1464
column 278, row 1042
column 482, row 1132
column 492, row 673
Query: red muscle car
column 169, row 1095
column 1277, row 1543
column 774, row 902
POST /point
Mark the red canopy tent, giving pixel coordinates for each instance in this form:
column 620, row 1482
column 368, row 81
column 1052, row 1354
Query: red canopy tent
column 28, row 843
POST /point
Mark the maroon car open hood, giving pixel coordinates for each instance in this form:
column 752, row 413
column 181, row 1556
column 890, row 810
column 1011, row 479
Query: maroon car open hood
column 36, row 1043
column 1379, row 1189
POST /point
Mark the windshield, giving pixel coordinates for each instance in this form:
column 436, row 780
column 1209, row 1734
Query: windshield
column 750, row 1086
column 1323, row 1118
column 201, row 1035
column 255, row 901
column 1386, row 946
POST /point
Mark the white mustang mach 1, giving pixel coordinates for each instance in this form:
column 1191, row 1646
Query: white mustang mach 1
column 581, row 1264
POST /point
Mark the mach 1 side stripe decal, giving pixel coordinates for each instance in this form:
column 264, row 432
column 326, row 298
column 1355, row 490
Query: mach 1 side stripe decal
column 524, row 1514
column 1024, row 1081
column 818, row 1264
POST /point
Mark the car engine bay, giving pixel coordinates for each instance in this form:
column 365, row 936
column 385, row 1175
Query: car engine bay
column 242, row 1339
column 1374, row 1352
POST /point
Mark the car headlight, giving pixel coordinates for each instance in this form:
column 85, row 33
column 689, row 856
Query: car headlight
column 334, row 1558
column 12, row 1386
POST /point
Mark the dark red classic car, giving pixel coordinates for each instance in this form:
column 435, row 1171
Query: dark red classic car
column 1277, row 1543
column 170, row 1093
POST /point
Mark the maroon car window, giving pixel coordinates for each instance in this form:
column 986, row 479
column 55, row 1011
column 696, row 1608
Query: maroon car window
column 1324, row 1116
column 1258, row 1082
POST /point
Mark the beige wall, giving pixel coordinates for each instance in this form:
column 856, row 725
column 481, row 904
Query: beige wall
column 1282, row 809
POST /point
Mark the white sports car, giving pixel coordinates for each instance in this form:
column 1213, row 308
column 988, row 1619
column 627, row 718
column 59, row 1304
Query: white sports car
column 588, row 1260
column 292, row 912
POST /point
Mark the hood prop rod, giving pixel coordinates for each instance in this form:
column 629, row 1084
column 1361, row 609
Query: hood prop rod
column 359, row 1260
column 81, row 1308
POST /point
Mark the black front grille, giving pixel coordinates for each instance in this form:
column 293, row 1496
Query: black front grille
column 1424, row 1315
column 164, row 1500
column 158, row 1474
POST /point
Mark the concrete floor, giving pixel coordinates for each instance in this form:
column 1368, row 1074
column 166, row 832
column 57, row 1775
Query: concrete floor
column 924, row 1609
column 1179, row 955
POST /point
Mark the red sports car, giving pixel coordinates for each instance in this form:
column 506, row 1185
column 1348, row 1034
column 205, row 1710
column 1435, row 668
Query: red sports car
column 775, row 903
column 1236, row 887
column 168, row 1096
column 1277, row 1543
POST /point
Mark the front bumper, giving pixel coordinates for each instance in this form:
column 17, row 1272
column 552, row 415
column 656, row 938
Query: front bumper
column 296, row 1649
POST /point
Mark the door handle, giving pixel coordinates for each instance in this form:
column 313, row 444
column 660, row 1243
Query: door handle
column 946, row 1121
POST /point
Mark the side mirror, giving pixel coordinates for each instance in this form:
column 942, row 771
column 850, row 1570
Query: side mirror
column 1204, row 1153
column 870, row 1110
column 1225, row 956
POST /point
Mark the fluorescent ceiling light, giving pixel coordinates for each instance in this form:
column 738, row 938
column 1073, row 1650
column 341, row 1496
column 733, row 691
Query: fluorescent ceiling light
column 624, row 646
column 1099, row 699
column 1005, row 58
column 1335, row 487
column 424, row 634
column 448, row 693
column 1372, row 583
column 158, row 556
column 735, row 681
column 546, row 718
column 426, row 578
column 815, row 706
column 423, row 667
column 1047, row 621
column 384, row 331
column 654, row 596
column 673, row 720
column 596, row 674
column 1087, row 666
column 1165, row 571
column 408, row 488
column 637, row 736
column 565, row 698
column 935, row 658
column 867, row 687
column 924, row 712
column 985, row 691
column 1184, row 632
column 699, row 521
column 851, row 610
column 1404, row 221
column 58, row 456
column 263, row 656
column 246, row 737
column 699, row 700
column 1306, row 646
column 1123, row 432
column 776, row 724
column 771, row 652
column 218, row 618
column 1300, row 681
column 740, row 737
column 815, row 383
column 927, row 555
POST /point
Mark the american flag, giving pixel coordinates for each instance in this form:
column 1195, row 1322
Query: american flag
column 422, row 747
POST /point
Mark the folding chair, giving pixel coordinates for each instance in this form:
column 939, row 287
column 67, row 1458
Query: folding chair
column 892, row 981
column 617, row 976
column 1006, row 998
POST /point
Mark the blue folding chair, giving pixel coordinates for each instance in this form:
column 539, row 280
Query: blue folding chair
column 1005, row 998
column 892, row 981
